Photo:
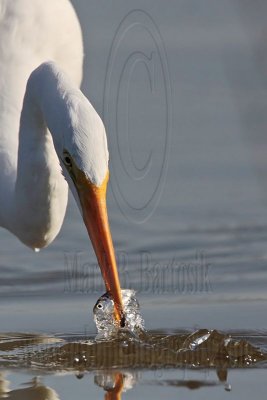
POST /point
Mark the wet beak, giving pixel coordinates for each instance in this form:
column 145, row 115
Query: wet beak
column 93, row 203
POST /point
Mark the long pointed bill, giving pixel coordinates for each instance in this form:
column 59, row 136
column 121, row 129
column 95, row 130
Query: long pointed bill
column 93, row 203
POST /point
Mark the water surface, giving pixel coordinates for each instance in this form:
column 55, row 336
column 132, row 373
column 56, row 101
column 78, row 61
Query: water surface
column 199, row 261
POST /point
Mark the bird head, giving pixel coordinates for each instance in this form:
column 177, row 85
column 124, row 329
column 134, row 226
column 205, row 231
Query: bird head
column 84, row 158
column 81, row 145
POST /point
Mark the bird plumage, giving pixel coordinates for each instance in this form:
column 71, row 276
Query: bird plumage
column 33, row 193
column 50, row 133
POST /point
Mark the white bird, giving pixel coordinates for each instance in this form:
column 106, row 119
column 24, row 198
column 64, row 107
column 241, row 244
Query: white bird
column 51, row 137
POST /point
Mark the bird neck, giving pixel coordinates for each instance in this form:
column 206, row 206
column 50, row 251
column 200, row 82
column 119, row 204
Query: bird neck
column 40, row 195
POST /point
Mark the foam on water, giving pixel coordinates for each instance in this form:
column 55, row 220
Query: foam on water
column 105, row 322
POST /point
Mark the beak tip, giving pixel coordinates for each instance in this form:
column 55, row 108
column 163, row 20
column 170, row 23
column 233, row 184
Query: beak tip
column 122, row 322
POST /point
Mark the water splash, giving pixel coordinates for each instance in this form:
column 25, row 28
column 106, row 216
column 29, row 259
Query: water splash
column 105, row 322
column 109, row 380
column 126, row 351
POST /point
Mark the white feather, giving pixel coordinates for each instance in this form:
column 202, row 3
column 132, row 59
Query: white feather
column 33, row 192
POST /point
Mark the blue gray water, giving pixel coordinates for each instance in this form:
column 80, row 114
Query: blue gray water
column 186, row 82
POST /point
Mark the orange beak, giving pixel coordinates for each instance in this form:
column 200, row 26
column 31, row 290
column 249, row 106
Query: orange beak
column 93, row 203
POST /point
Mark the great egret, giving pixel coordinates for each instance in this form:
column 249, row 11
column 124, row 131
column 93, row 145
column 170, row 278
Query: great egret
column 50, row 135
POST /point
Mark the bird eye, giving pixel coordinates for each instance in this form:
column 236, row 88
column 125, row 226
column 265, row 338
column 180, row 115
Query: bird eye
column 67, row 160
column 99, row 306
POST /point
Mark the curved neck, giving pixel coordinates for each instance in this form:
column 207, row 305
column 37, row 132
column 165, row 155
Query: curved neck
column 40, row 193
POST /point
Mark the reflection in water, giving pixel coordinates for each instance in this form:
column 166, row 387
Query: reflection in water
column 195, row 384
column 3, row 386
column 113, row 384
column 117, row 362
column 116, row 382
column 35, row 391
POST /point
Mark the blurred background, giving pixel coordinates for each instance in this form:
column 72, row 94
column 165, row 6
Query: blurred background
column 182, row 88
